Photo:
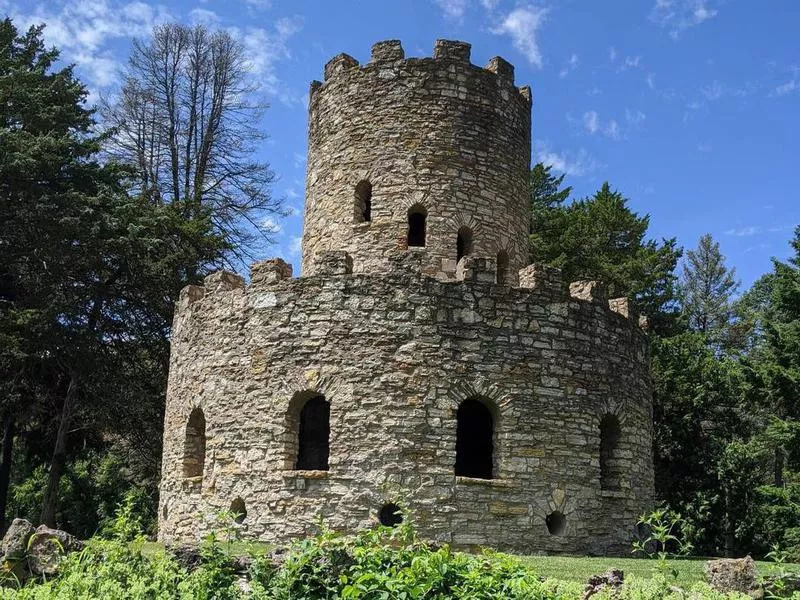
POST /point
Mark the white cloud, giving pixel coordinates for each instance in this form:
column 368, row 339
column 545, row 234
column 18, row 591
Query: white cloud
column 82, row 30
column 452, row 9
column 744, row 231
column 594, row 91
column 265, row 48
column 612, row 54
column 201, row 16
column 591, row 121
column 713, row 92
column 258, row 4
column 651, row 80
column 679, row 15
column 296, row 247
column 579, row 165
column 634, row 118
column 630, row 62
column 787, row 88
column 569, row 65
column 522, row 26
column 490, row 5
column 269, row 225
column 613, row 131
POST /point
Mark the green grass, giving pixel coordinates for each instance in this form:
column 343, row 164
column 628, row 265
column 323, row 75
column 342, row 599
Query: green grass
column 580, row 568
column 567, row 568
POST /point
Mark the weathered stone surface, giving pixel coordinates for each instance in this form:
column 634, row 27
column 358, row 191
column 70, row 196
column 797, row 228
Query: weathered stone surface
column 732, row 574
column 47, row 547
column 611, row 580
column 15, row 541
column 437, row 133
column 397, row 339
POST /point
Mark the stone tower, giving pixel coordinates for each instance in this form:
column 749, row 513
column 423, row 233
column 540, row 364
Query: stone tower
column 402, row 140
column 417, row 362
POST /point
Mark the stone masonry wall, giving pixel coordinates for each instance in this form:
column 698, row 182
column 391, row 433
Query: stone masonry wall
column 395, row 354
column 438, row 133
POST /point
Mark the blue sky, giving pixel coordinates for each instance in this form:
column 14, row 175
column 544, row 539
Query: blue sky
column 691, row 108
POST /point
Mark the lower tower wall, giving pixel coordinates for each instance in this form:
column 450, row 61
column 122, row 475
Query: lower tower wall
column 395, row 355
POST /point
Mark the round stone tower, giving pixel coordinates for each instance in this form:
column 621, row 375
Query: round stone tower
column 418, row 362
column 428, row 154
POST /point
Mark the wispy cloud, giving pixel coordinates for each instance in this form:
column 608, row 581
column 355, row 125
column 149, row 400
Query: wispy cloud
column 704, row 147
column 746, row 231
column 569, row 65
column 651, row 80
column 678, row 15
column 201, row 16
column 612, row 54
column 572, row 164
column 84, row 29
column 453, row 9
column 265, row 48
column 634, row 117
column 591, row 121
column 522, row 25
column 630, row 62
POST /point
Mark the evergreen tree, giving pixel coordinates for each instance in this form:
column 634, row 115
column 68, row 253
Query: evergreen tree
column 88, row 275
column 706, row 288
column 601, row 238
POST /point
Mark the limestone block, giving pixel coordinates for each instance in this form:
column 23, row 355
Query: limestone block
column 387, row 51
column 222, row 281
column 333, row 262
column 453, row 50
column 269, row 271
column 593, row 291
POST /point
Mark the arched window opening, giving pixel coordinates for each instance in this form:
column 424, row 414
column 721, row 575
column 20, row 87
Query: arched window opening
column 194, row 446
column 238, row 511
column 474, row 443
column 556, row 522
column 416, row 226
column 502, row 267
column 363, row 202
column 463, row 243
column 390, row 515
column 313, row 435
column 609, row 442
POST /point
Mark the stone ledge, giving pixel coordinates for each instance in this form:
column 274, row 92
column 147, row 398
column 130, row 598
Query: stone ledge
column 461, row 480
column 305, row 474
column 613, row 494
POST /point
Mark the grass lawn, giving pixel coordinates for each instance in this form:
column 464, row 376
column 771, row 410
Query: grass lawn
column 577, row 568
column 567, row 568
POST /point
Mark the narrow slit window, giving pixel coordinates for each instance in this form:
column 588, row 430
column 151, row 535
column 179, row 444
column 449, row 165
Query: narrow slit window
column 416, row 227
column 463, row 243
column 474, row 440
column 313, row 445
column 363, row 202
column 609, row 453
column 502, row 267
column 194, row 446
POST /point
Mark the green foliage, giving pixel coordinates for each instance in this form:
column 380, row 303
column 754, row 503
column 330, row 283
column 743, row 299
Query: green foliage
column 706, row 288
column 662, row 540
column 602, row 238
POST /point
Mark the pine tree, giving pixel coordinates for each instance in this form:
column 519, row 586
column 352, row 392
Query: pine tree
column 707, row 286
column 602, row 238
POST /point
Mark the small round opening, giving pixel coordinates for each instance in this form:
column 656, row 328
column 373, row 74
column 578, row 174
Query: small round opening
column 556, row 522
column 389, row 515
column 239, row 511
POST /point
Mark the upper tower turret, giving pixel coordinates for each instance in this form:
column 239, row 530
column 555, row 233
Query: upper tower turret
column 427, row 153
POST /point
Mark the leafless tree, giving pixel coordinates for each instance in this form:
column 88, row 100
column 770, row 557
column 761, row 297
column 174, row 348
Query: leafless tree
column 185, row 120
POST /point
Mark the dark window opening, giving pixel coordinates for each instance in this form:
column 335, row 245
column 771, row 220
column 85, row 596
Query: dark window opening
column 390, row 515
column 609, row 441
column 314, row 432
column 463, row 243
column 364, row 202
column 239, row 511
column 194, row 446
column 556, row 522
column 502, row 266
column 416, row 227
column 474, row 443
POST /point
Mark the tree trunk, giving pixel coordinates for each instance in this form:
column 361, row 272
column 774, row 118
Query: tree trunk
column 59, row 459
column 9, row 427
